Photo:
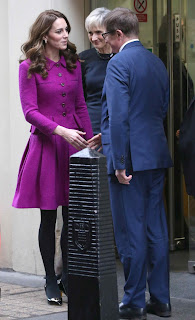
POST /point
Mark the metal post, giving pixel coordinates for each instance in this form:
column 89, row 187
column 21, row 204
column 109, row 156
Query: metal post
column 171, row 195
column 92, row 284
column 155, row 49
column 181, row 10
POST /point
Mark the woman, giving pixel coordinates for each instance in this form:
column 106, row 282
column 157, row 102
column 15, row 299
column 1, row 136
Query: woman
column 93, row 63
column 52, row 99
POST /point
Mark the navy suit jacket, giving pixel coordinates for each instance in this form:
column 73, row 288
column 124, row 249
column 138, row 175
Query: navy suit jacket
column 134, row 104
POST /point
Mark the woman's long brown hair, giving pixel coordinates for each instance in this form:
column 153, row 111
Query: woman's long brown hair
column 33, row 49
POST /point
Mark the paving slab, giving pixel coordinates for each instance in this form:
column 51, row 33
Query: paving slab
column 20, row 302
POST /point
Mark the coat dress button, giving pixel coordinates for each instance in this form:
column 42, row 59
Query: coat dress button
column 64, row 114
column 59, row 74
column 63, row 105
column 62, row 84
column 57, row 65
column 63, row 94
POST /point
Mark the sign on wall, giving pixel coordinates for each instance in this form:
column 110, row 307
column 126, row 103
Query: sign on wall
column 140, row 7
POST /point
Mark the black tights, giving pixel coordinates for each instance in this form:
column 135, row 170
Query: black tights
column 47, row 240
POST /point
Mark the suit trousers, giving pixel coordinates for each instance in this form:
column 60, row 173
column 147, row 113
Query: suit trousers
column 141, row 236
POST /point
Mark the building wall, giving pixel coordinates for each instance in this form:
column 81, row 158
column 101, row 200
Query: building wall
column 5, row 161
column 19, row 227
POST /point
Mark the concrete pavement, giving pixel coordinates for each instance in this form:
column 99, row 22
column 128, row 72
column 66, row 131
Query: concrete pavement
column 23, row 297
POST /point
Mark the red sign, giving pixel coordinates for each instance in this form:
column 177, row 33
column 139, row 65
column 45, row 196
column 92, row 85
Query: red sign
column 140, row 5
column 142, row 17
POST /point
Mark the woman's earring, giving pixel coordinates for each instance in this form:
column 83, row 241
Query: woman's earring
column 45, row 40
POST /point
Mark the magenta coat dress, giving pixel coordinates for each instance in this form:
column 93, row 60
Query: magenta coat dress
column 43, row 179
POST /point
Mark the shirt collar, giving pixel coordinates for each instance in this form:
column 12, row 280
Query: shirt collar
column 51, row 63
column 124, row 44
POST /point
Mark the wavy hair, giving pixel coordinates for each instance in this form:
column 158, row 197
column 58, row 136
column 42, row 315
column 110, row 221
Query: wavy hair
column 33, row 49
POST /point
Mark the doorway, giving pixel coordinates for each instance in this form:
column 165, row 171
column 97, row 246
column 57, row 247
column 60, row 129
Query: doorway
column 167, row 29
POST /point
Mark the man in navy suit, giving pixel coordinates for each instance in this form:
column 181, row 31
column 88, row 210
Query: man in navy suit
column 134, row 105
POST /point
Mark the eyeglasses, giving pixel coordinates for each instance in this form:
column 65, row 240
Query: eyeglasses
column 104, row 35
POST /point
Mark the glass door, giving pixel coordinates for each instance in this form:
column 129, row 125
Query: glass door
column 190, row 57
column 182, row 91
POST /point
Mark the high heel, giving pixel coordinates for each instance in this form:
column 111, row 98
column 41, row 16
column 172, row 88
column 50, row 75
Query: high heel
column 62, row 287
column 52, row 291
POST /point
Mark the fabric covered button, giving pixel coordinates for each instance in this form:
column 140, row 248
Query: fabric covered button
column 122, row 159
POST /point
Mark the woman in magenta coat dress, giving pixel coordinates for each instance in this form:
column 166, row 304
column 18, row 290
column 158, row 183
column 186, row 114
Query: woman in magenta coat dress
column 52, row 99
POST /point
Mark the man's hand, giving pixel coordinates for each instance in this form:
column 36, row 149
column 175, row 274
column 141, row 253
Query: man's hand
column 177, row 134
column 121, row 176
column 95, row 142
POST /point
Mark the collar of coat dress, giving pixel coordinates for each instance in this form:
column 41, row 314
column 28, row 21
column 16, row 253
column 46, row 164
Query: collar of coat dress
column 51, row 63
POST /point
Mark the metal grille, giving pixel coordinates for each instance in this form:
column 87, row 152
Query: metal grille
column 91, row 245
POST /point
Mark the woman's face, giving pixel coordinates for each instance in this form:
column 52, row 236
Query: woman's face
column 57, row 36
column 95, row 37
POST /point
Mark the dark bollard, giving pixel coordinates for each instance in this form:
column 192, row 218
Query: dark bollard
column 92, row 283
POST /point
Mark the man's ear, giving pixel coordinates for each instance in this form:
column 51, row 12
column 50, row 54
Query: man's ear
column 119, row 33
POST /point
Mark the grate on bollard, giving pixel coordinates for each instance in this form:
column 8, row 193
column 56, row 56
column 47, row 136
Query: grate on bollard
column 92, row 283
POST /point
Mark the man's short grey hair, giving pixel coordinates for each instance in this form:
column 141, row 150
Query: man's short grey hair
column 123, row 19
column 96, row 18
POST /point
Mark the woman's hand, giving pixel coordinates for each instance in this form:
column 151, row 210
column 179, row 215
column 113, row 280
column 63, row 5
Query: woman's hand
column 95, row 142
column 72, row 136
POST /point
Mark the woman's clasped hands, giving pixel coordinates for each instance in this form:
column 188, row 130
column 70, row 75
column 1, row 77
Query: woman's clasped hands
column 72, row 136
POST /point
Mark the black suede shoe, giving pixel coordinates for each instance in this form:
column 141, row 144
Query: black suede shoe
column 62, row 282
column 158, row 308
column 52, row 291
column 62, row 287
column 132, row 313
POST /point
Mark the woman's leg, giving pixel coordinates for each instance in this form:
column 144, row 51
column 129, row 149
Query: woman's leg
column 64, row 247
column 47, row 249
column 47, row 240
